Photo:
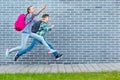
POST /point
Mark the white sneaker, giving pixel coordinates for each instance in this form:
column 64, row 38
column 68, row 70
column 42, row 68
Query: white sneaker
column 51, row 51
column 7, row 53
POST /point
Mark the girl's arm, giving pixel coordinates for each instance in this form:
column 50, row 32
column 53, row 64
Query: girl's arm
column 41, row 9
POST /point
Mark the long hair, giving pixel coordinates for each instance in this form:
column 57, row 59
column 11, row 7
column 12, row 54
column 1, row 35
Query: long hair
column 28, row 11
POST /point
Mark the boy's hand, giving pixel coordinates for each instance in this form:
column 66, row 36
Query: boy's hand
column 52, row 26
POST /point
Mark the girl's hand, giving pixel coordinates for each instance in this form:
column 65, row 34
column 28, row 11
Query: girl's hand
column 41, row 9
column 44, row 6
column 52, row 26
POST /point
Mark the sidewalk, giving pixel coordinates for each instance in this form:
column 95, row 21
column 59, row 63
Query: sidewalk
column 60, row 68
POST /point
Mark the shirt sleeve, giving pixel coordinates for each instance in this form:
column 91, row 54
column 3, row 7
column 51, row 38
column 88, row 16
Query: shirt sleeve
column 48, row 28
column 33, row 15
column 30, row 16
column 45, row 27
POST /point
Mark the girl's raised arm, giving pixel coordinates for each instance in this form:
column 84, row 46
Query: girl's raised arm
column 41, row 9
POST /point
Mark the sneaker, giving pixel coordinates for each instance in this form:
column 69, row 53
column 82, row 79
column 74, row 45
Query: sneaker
column 58, row 56
column 16, row 57
column 51, row 51
column 7, row 53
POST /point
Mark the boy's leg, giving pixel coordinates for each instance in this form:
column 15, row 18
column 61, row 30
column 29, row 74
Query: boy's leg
column 52, row 47
column 40, row 38
column 56, row 54
column 24, row 51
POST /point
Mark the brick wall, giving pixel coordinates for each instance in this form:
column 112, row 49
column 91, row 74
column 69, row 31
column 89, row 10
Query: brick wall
column 87, row 31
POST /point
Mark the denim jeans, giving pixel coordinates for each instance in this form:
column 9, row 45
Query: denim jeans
column 24, row 39
column 35, row 42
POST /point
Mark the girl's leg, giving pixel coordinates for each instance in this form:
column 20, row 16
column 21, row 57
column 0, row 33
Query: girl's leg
column 20, row 53
column 24, row 39
column 40, row 38
column 52, row 47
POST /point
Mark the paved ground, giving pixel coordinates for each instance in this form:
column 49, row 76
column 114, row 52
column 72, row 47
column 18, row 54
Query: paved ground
column 60, row 68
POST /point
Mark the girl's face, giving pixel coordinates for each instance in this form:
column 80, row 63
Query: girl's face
column 32, row 10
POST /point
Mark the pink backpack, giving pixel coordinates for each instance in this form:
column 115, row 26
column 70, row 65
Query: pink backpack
column 20, row 22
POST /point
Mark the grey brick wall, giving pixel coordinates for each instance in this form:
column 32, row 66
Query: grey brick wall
column 87, row 31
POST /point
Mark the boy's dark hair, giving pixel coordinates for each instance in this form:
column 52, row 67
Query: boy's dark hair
column 45, row 15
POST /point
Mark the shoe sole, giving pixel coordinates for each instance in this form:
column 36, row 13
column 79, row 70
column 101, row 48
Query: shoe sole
column 59, row 58
column 15, row 56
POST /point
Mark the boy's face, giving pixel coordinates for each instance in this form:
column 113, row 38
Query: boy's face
column 47, row 19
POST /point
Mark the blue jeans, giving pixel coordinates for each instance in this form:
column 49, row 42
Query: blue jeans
column 24, row 38
column 35, row 42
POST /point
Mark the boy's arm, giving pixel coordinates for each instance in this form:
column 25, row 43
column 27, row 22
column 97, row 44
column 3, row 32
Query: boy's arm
column 45, row 27
column 48, row 28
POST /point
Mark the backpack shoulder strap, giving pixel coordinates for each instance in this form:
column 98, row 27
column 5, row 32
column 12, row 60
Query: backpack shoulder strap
column 29, row 22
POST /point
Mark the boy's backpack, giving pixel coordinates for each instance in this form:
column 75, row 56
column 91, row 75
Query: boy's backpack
column 36, row 26
column 20, row 22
